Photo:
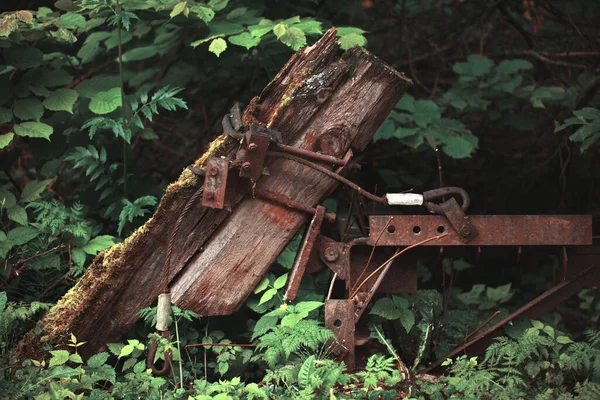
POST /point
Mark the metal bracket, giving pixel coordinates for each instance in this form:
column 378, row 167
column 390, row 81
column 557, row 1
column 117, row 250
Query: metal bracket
column 339, row 318
column 459, row 220
column 252, row 153
column 304, row 254
column 215, row 182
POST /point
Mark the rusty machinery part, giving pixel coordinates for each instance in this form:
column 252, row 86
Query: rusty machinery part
column 277, row 198
column 441, row 193
column 152, row 348
column 494, row 230
column 304, row 254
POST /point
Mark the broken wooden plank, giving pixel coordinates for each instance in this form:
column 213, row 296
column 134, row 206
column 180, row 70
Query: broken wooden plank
column 319, row 102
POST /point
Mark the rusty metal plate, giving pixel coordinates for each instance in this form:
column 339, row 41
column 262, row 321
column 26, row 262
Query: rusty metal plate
column 494, row 230
column 215, row 182
column 254, row 156
column 339, row 318
column 304, row 253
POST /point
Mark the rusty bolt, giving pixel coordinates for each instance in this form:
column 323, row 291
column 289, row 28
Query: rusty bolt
column 252, row 147
column 213, row 171
column 210, row 195
column 331, row 254
column 247, row 165
column 466, row 231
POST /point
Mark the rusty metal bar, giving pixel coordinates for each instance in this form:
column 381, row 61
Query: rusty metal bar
column 533, row 309
column 339, row 317
column 304, row 253
column 494, row 230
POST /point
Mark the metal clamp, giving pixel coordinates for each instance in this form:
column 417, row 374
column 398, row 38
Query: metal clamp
column 437, row 194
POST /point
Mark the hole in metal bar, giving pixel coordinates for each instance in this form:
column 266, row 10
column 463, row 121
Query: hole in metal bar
column 417, row 230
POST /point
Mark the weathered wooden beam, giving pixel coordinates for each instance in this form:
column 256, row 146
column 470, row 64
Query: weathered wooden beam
column 319, row 102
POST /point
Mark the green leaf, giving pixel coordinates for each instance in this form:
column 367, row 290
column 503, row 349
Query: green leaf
column 75, row 358
column 61, row 100
column 57, row 77
column 280, row 281
column 268, row 295
column 22, row 235
column 90, row 87
column 3, row 299
column 140, row 53
column 23, row 56
column 426, row 112
column 588, row 113
column 5, row 115
column 98, row 360
column 65, row 5
column 17, row 214
column 59, row 357
column 7, row 26
column 71, row 20
column 349, row 30
column 203, row 13
column 236, row 13
column 264, row 283
column 78, row 256
column 352, row 40
column 6, row 139
column 508, row 67
column 88, row 52
column 263, row 325
column 5, row 245
column 7, row 199
column 499, row 294
column 218, row 5
column 244, row 39
column 33, row 129
column 50, row 168
column 217, row 46
column 33, row 190
column 563, row 340
column 106, row 102
column 279, row 30
column 98, row 243
column 178, row 9
column 310, row 27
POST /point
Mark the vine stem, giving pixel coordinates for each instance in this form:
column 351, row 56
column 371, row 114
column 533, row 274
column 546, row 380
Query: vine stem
column 122, row 82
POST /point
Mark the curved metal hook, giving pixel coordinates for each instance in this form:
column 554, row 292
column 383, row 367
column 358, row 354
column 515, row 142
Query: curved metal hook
column 152, row 353
column 436, row 194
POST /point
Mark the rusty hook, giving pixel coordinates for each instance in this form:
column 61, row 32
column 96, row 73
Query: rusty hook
column 440, row 193
column 164, row 370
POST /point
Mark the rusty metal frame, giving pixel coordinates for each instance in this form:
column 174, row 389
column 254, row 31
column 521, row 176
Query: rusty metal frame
column 494, row 230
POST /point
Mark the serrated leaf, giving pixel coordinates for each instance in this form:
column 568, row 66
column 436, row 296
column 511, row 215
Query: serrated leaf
column 106, row 102
column 59, row 357
column 75, row 358
column 115, row 348
column 71, row 20
column 33, row 129
column 6, row 139
column 65, row 5
column 8, row 25
column 279, row 30
column 61, row 100
column 294, row 38
column 203, row 13
column 97, row 360
column 17, row 214
column 262, row 28
column 178, row 9
column 24, row 16
column 217, row 46
column 244, row 39
column 5, row 115
column 7, row 199
column 563, row 340
column 98, row 243
column 349, row 30
column 33, row 190
column 23, row 56
column 352, row 40
column 88, row 52
column 263, row 325
column 508, row 67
